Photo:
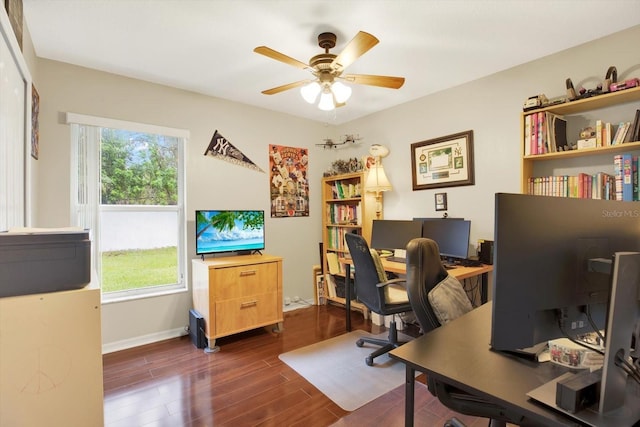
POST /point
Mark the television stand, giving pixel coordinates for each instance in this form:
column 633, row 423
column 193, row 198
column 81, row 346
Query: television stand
column 237, row 293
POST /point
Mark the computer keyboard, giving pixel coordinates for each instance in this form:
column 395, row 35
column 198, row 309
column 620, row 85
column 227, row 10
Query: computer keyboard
column 470, row 263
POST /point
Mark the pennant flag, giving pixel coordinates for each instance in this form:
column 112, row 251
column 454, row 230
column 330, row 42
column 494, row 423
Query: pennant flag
column 222, row 149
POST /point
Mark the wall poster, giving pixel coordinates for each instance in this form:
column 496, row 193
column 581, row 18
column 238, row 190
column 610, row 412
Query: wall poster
column 289, row 186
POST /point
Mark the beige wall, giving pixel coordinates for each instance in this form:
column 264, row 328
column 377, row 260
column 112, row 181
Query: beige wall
column 490, row 107
column 211, row 183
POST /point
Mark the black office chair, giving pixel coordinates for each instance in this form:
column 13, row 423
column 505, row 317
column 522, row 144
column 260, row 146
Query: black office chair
column 381, row 296
column 424, row 273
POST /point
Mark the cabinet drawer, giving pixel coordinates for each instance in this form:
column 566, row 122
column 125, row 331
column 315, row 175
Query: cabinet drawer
column 244, row 280
column 241, row 314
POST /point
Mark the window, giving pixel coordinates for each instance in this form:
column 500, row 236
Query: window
column 128, row 190
column 15, row 122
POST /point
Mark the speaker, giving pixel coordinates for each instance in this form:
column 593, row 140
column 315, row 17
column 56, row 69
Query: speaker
column 196, row 329
column 486, row 252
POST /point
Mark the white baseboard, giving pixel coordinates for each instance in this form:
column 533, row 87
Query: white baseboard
column 296, row 305
column 165, row 335
column 142, row 340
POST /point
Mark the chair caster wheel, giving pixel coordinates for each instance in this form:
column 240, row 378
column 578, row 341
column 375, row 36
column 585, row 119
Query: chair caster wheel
column 369, row 361
column 360, row 343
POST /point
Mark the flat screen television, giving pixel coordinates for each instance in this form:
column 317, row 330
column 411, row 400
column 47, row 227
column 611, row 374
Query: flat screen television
column 219, row 231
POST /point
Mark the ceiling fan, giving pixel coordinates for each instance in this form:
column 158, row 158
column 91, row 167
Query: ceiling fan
column 328, row 68
column 347, row 139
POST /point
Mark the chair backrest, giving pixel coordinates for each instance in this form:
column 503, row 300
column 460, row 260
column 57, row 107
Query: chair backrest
column 424, row 272
column 366, row 274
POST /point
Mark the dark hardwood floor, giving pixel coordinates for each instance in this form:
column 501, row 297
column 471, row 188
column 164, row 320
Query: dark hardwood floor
column 172, row 383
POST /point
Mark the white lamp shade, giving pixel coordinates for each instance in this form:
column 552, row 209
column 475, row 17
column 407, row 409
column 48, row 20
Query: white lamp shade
column 341, row 91
column 326, row 101
column 377, row 179
column 310, row 92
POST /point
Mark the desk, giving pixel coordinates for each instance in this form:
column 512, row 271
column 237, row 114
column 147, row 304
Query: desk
column 459, row 273
column 458, row 354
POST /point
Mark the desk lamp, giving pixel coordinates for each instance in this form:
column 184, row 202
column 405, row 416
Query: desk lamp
column 377, row 180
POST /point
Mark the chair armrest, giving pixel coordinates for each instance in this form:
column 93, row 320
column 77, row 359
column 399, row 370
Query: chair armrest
column 393, row 281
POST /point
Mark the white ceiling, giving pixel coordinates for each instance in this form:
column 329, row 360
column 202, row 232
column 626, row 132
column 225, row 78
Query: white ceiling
column 206, row 46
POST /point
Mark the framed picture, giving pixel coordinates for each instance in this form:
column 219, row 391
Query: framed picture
column 441, row 201
column 443, row 162
column 14, row 12
column 35, row 127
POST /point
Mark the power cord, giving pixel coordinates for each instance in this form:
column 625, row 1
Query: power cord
column 627, row 367
column 561, row 316
column 632, row 370
column 587, row 311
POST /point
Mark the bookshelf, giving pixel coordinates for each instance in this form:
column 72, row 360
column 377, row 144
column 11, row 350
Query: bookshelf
column 347, row 208
column 614, row 107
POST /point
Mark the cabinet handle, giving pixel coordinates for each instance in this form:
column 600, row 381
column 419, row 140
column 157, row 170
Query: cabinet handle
column 248, row 273
column 248, row 304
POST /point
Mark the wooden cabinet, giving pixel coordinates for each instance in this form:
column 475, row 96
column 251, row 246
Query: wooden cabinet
column 347, row 208
column 237, row 293
column 612, row 107
column 51, row 359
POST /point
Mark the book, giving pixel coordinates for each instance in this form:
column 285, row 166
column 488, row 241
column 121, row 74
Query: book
column 627, row 178
column 606, row 140
column 533, row 134
column 527, row 135
column 539, row 140
column 635, row 128
column 334, row 265
column 620, row 133
column 556, row 132
column 634, row 177
column 599, row 129
column 617, row 172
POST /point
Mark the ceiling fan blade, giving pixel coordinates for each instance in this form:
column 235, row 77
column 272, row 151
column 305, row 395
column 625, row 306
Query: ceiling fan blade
column 381, row 81
column 274, row 54
column 288, row 86
column 357, row 47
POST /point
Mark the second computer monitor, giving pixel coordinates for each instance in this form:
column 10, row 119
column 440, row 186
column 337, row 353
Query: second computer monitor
column 394, row 234
column 451, row 235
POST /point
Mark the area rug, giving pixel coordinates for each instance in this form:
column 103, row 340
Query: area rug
column 337, row 368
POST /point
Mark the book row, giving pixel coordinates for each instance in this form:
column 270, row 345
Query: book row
column 597, row 186
column 335, row 238
column 345, row 190
column 545, row 132
column 344, row 214
column 622, row 185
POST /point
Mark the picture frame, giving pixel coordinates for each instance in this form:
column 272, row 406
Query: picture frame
column 441, row 201
column 15, row 14
column 35, row 125
column 446, row 161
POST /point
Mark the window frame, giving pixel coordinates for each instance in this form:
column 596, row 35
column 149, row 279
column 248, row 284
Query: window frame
column 183, row 136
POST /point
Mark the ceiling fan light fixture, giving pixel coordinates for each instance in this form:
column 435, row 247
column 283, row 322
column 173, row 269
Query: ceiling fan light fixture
column 326, row 101
column 341, row 91
column 310, row 92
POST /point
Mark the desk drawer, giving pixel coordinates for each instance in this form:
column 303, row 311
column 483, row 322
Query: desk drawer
column 239, row 281
column 241, row 314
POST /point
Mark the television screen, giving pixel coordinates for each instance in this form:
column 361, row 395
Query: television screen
column 229, row 231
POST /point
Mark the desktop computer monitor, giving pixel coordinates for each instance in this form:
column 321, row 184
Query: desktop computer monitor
column 394, row 234
column 451, row 235
column 543, row 273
